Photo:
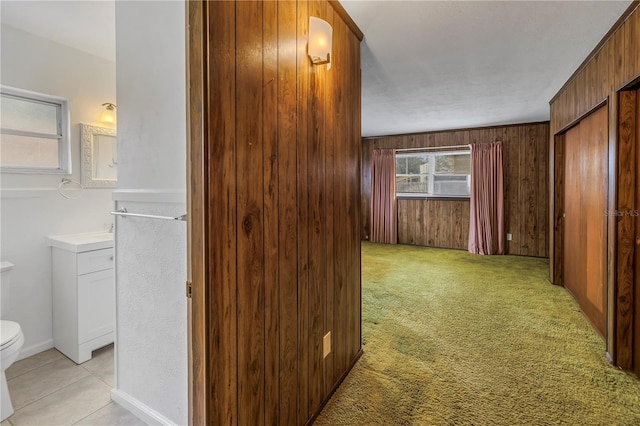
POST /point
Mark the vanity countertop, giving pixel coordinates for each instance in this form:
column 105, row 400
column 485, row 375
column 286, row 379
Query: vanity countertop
column 82, row 242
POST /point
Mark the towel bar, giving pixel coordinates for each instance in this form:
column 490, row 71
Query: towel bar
column 124, row 213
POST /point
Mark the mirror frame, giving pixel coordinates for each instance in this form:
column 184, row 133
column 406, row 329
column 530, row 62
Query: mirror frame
column 87, row 133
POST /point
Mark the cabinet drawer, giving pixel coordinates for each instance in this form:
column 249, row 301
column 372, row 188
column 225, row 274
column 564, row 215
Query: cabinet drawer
column 93, row 261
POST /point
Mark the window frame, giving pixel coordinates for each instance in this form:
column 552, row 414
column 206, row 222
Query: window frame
column 431, row 154
column 64, row 131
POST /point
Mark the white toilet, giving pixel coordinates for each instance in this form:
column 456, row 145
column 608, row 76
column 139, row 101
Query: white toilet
column 11, row 341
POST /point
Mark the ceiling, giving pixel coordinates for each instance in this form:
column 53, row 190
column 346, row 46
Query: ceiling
column 88, row 25
column 426, row 65
column 430, row 65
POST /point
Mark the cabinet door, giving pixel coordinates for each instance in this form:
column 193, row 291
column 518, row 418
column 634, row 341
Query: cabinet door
column 96, row 305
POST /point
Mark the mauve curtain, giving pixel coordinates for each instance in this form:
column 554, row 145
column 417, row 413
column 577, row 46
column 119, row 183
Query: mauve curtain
column 486, row 227
column 383, row 197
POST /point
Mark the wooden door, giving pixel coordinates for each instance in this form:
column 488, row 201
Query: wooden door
column 585, row 244
column 573, row 255
column 595, row 184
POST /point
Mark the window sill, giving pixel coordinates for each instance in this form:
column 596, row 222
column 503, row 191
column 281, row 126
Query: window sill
column 431, row 198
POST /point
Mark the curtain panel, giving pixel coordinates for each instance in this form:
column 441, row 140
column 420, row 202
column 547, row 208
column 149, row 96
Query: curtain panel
column 486, row 227
column 384, row 221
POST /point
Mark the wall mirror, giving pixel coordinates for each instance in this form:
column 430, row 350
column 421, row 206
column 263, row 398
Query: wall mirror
column 99, row 157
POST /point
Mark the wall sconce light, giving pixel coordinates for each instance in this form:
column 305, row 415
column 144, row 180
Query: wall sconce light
column 109, row 114
column 320, row 38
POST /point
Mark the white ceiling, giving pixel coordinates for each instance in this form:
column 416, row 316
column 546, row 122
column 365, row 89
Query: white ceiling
column 89, row 25
column 430, row 65
column 426, row 65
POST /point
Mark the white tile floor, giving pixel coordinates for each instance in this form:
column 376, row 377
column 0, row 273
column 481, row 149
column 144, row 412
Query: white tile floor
column 48, row 389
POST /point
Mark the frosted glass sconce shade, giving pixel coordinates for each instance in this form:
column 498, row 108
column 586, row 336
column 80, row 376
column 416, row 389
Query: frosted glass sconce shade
column 320, row 38
column 109, row 114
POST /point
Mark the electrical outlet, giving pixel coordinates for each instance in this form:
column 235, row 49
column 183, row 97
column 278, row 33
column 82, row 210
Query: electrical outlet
column 509, row 237
column 326, row 344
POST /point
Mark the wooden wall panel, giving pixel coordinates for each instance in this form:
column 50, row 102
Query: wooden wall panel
column 636, row 296
column 251, row 258
column 613, row 65
column 302, row 117
column 220, row 124
column 288, row 214
column 346, row 169
column 557, row 217
column 417, row 227
column 270, row 210
column 626, row 227
column 329, row 185
column 446, row 223
column 317, row 229
column 353, row 92
column 279, row 198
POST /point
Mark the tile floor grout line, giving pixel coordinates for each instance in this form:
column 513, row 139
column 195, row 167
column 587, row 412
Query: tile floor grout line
column 91, row 414
column 111, row 387
column 60, row 390
column 88, row 373
column 50, row 393
column 108, row 384
column 34, row 368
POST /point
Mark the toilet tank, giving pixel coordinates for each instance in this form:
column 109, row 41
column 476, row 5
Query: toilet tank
column 5, row 268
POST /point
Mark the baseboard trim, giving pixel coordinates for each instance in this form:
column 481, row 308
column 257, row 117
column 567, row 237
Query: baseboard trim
column 139, row 409
column 35, row 349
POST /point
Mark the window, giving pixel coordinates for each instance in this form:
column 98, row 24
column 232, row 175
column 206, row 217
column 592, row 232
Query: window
column 433, row 174
column 34, row 132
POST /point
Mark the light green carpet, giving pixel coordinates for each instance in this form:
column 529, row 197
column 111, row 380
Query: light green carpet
column 451, row 338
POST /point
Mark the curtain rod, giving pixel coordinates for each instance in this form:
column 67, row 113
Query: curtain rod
column 432, row 148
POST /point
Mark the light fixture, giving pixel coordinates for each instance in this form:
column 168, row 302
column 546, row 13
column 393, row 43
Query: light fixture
column 109, row 114
column 320, row 37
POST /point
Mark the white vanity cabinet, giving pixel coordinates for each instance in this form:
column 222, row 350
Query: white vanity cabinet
column 83, row 293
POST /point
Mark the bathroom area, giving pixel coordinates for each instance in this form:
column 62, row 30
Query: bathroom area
column 93, row 307
column 36, row 205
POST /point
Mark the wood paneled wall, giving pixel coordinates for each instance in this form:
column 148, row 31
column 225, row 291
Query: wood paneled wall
column 627, row 203
column 422, row 223
column 274, row 210
column 445, row 223
column 613, row 65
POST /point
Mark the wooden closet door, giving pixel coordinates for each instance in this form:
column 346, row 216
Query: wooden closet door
column 573, row 220
column 585, row 245
column 594, row 203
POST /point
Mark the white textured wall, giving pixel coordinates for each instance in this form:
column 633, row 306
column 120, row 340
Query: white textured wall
column 31, row 209
column 151, row 345
column 150, row 52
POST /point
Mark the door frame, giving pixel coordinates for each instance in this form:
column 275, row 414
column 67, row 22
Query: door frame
column 628, row 178
column 197, row 226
